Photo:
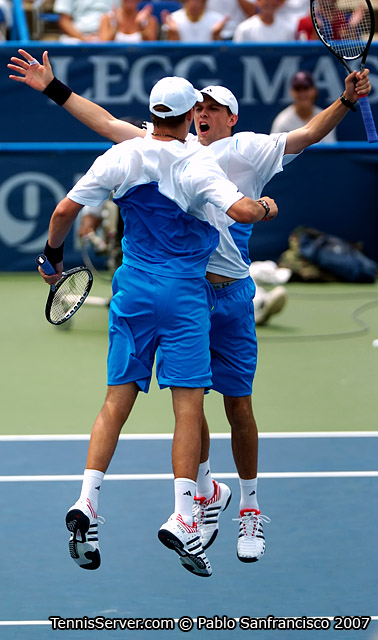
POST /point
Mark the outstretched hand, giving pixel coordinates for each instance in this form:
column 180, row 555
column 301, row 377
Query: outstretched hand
column 32, row 73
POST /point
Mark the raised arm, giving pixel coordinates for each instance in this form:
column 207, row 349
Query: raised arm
column 39, row 77
column 321, row 124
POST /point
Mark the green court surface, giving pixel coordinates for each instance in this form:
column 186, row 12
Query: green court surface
column 317, row 369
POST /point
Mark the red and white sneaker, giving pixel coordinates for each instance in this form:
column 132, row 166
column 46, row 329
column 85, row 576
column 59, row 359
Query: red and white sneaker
column 82, row 521
column 206, row 513
column 185, row 540
column 251, row 541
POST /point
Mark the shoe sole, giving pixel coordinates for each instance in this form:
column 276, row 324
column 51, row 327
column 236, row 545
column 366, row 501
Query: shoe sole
column 215, row 533
column 194, row 565
column 76, row 521
column 248, row 560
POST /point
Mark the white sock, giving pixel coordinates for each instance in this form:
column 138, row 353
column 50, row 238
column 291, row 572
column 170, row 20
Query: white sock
column 185, row 491
column 205, row 487
column 91, row 486
column 248, row 494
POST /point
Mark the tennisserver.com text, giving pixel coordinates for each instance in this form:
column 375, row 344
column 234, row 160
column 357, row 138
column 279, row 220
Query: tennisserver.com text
column 221, row 623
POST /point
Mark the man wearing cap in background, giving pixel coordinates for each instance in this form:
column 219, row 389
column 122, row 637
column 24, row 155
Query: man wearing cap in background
column 304, row 94
column 161, row 298
column 250, row 160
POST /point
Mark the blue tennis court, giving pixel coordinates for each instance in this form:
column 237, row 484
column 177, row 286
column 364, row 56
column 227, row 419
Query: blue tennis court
column 320, row 491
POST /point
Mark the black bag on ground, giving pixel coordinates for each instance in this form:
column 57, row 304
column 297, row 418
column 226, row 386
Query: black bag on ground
column 316, row 256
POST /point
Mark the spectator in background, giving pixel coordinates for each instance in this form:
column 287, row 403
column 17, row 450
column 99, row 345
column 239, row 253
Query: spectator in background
column 292, row 11
column 305, row 29
column 303, row 108
column 265, row 26
column 238, row 10
column 193, row 23
column 127, row 24
column 6, row 18
column 80, row 19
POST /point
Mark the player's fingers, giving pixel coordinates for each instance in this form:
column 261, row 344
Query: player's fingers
column 16, row 68
column 46, row 61
column 21, row 63
column 29, row 58
column 17, row 78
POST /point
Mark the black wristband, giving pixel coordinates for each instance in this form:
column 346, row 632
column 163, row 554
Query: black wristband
column 54, row 256
column 347, row 103
column 57, row 91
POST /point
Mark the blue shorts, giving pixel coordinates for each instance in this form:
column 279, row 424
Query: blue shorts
column 149, row 311
column 233, row 342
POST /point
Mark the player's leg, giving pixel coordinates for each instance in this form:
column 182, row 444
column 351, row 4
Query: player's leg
column 130, row 360
column 183, row 363
column 244, row 439
column 211, row 497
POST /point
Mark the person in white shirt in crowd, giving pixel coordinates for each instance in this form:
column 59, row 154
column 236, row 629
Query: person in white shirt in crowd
column 6, row 18
column 129, row 24
column 80, row 19
column 265, row 25
column 238, row 10
column 195, row 22
column 292, row 11
column 303, row 108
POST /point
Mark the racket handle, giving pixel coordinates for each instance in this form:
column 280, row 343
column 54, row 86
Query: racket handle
column 368, row 119
column 42, row 261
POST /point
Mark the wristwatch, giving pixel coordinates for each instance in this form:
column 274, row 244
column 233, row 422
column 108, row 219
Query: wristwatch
column 266, row 207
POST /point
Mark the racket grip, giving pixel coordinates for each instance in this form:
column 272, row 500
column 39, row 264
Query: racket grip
column 368, row 119
column 42, row 261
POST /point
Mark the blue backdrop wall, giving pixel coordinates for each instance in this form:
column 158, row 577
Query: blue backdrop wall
column 331, row 188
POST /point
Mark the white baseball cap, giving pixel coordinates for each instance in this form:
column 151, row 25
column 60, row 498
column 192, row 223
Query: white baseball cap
column 177, row 94
column 224, row 96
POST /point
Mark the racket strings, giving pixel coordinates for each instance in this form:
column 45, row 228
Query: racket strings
column 344, row 25
column 69, row 295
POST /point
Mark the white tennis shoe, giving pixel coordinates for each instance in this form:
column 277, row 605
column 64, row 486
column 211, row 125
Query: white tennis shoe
column 251, row 541
column 185, row 540
column 206, row 513
column 82, row 521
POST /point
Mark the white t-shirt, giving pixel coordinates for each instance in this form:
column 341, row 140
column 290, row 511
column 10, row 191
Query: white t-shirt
column 254, row 30
column 196, row 31
column 161, row 188
column 230, row 8
column 288, row 120
column 86, row 14
column 190, row 178
column 250, row 160
column 293, row 10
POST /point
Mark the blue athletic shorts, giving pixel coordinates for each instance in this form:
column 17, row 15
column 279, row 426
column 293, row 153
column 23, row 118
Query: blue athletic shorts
column 233, row 343
column 149, row 311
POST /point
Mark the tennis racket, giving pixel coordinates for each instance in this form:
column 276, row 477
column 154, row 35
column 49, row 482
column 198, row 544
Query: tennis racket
column 346, row 28
column 68, row 294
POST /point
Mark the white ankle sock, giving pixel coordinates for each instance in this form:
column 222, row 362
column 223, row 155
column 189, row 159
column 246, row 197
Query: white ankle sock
column 91, row 486
column 185, row 490
column 205, row 487
column 248, row 494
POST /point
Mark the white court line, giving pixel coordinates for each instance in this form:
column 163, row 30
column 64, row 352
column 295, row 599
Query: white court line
column 214, row 436
column 14, row 623
column 169, row 476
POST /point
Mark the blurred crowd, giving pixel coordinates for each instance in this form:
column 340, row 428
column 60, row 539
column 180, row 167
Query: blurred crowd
column 189, row 21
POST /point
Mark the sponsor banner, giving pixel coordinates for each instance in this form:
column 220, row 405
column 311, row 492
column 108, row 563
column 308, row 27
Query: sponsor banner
column 31, row 185
column 321, row 188
column 120, row 77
